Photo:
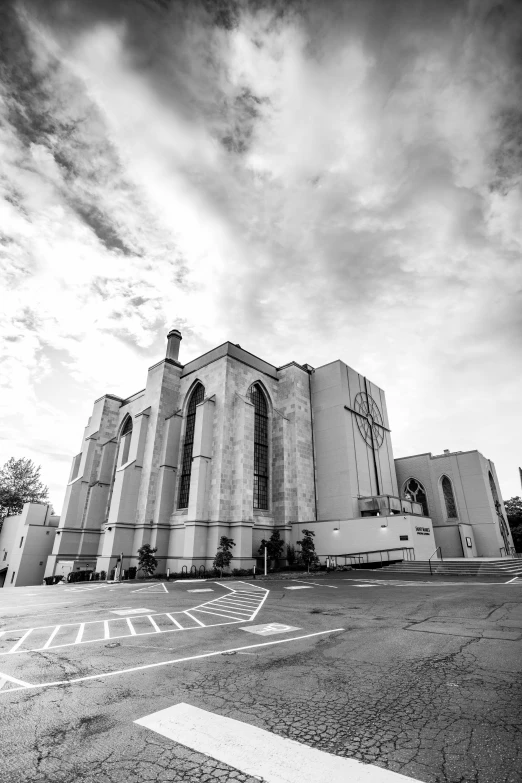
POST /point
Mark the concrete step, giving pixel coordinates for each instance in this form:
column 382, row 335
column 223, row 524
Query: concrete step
column 501, row 568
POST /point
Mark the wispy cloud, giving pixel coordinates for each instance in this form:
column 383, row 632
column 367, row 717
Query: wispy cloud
column 314, row 180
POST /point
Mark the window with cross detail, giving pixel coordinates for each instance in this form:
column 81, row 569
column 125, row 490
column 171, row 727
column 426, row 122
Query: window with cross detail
column 260, row 447
column 417, row 493
column 197, row 396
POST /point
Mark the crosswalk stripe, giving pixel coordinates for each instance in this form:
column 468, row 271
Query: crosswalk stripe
column 174, row 621
column 21, row 640
column 154, row 625
column 49, row 640
column 195, row 618
column 131, row 627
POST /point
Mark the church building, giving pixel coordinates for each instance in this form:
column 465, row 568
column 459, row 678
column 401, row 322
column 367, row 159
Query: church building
column 229, row 444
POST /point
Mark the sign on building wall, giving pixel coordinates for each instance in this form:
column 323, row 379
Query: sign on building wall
column 423, row 531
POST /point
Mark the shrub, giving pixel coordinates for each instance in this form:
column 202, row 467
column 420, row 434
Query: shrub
column 131, row 572
column 103, row 575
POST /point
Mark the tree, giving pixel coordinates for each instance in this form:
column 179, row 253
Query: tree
column 146, row 560
column 224, row 553
column 308, row 555
column 20, row 483
column 513, row 508
column 274, row 546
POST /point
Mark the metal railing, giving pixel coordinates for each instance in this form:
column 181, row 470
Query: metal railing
column 358, row 558
column 433, row 555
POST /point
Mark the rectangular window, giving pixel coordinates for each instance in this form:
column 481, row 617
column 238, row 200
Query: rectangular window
column 21, row 541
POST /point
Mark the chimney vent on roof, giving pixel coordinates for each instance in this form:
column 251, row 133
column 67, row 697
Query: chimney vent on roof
column 173, row 340
column 446, row 451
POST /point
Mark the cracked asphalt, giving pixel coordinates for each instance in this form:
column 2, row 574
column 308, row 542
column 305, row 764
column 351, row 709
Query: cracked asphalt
column 424, row 679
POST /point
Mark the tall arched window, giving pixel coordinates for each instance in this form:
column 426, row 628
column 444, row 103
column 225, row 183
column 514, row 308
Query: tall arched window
column 260, row 447
column 197, row 396
column 449, row 498
column 417, row 493
column 125, row 439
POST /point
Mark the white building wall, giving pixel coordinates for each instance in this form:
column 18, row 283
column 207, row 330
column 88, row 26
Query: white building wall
column 26, row 541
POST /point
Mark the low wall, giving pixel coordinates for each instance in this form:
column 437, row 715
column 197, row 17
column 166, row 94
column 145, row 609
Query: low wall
column 365, row 534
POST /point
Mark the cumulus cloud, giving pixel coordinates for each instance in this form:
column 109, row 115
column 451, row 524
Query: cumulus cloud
column 314, row 180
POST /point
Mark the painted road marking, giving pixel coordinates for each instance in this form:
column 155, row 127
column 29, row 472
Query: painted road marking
column 178, row 660
column 237, row 606
column 201, row 590
column 299, row 587
column 190, row 580
column 411, row 583
column 5, row 678
column 159, row 588
column 257, row 752
column 317, row 584
column 131, row 611
column 270, row 629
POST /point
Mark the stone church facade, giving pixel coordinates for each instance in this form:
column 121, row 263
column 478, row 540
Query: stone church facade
column 229, row 444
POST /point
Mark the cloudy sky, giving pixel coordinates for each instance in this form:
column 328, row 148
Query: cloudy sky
column 313, row 180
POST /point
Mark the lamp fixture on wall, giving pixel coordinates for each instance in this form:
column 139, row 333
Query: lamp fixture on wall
column 336, row 528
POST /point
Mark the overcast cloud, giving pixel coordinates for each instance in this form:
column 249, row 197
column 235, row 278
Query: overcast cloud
column 312, row 180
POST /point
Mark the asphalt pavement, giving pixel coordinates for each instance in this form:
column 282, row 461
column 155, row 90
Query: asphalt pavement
column 358, row 674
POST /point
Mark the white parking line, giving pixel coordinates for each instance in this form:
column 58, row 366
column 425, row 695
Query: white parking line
column 227, row 608
column 7, row 677
column 317, row 584
column 299, row 587
column 259, row 753
column 201, row 590
column 176, row 660
column 21, row 640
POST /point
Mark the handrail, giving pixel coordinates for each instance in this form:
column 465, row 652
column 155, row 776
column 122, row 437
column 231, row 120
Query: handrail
column 408, row 553
column 433, row 555
column 503, row 548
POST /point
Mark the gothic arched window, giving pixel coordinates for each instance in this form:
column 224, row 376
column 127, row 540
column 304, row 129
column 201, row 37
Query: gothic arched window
column 417, row 493
column 260, row 447
column 125, row 439
column 449, row 498
column 197, row 396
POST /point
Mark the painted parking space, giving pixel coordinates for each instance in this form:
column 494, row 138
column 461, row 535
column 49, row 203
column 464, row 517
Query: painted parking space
column 240, row 604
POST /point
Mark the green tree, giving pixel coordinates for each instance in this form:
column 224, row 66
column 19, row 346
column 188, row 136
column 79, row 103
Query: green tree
column 308, row 555
column 20, row 483
column 274, row 546
column 224, row 554
column 146, row 560
column 513, row 508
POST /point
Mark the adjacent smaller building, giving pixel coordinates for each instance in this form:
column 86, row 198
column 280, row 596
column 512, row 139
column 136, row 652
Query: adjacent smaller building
column 459, row 491
column 26, row 541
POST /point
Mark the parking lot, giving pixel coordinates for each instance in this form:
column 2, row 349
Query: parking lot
column 352, row 676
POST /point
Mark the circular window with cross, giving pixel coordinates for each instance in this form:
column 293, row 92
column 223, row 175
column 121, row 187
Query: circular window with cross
column 369, row 420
